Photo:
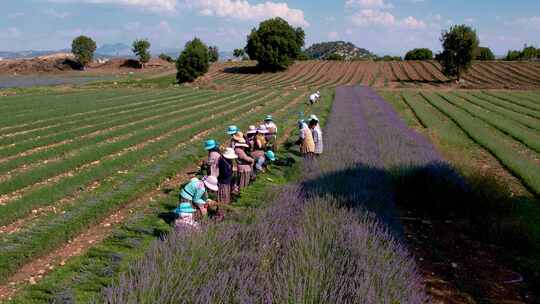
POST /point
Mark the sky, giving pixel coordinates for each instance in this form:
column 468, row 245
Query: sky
column 382, row 26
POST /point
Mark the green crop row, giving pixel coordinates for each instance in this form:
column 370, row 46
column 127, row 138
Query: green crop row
column 524, row 102
column 49, row 232
column 43, row 196
column 65, row 124
column 526, row 169
column 529, row 138
column 125, row 124
column 72, row 109
column 36, row 175
column 56, row 120
column 84, row 277
column 517, row 117
column 507, row 105
column 75, row 132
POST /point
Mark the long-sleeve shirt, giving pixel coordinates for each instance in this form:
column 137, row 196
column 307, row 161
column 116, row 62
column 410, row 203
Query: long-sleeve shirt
column 213, row 159
column 194, row 191
column 317, row 139
column 271, row 127
column 244, row 161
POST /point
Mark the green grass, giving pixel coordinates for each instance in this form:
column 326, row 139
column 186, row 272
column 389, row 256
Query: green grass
column 82, row 278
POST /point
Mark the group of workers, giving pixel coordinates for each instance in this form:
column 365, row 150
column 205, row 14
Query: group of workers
column 232, row 169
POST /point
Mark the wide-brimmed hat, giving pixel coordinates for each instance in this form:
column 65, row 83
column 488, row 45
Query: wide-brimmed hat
column 313, row 117
column 241, row 145
column 270, row 155
column 210, row 144
column 229, row 154
column 301, row 123
column 185, row 208
column 268, row 118
column 239, row 137
column 251, row 130
column 211, row 182
column 232, row 130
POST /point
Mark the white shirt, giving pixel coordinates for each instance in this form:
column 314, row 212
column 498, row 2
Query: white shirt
column 270, row 125
column 313, row 97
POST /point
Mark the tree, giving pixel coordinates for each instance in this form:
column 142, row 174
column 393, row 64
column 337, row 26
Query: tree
column 213, row 53
column 83, row 48
column 335, row 57
column 238, row 53
column 484, row 54
column 528, row 53
column 459, row 45
column 193, row 61
column 140, row 49
column 513, row 55
column 419, row 54
column 275, row 44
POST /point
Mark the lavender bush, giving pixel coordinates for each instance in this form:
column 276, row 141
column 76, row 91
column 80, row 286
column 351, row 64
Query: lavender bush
column 324, row 240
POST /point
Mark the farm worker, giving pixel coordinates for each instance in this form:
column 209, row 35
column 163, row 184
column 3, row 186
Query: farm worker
column 305, row 140
column 225, row 178
column 313, row 98
column 244, row 165
column 272, row 130
column 232, row 130
column 250, row 136
column 213, row 156
column 195, row 192
column 186, row 219
column 317, row 134
column 237, row 138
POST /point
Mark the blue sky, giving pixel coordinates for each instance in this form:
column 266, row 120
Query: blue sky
column 382, row 26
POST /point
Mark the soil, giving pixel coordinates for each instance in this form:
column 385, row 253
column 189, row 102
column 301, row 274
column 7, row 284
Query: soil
column 458, row 269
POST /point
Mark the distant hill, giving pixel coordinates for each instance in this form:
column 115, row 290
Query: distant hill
column 116, row 49
column 347, row 50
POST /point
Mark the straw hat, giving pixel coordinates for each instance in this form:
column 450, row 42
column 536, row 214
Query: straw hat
column 239, row 137
column 210, row 182
column 232, row 130
column 314, row 117
column 210, row 144
column 229, row 153
column 251, row 130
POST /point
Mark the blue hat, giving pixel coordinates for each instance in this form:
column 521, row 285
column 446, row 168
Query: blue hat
column 300, row 123
column 184, row 208
column 232, row 130
column 268, row 117
column 270, row 154
column 210, row 144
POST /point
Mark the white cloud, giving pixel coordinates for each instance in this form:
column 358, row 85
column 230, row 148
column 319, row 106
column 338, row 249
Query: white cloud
column 153, row 5
column 469, row 20
column 243, row 10
column 380, row 4
column 369, row 17
column 56, row 14
column 333, row 35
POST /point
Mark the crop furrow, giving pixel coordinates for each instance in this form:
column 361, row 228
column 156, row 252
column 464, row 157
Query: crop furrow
column 498, row 101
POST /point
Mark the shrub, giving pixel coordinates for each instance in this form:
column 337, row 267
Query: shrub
column 459, row 44
column 275, row 44
column 213, row 54
column 83, row 48
column 513, row 55
column 419, row 54
column 484, row 54
column 239, row 53
column 193, row 61
column 336, row 57
column 166, row 57
column 140, row 49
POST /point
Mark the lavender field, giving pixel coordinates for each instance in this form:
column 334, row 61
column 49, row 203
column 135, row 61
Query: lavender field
column 331, row 237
